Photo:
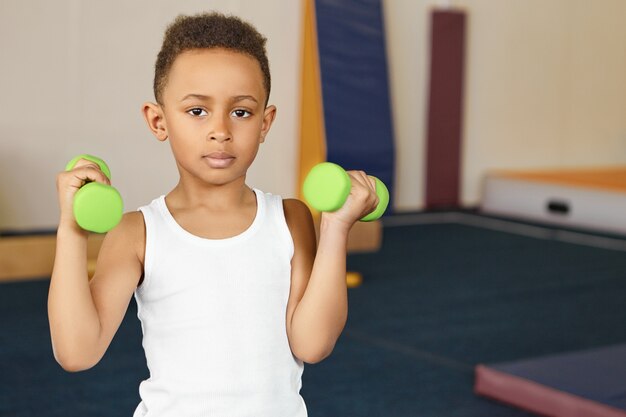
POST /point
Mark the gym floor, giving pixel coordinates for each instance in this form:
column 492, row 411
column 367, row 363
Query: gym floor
column 446, row 292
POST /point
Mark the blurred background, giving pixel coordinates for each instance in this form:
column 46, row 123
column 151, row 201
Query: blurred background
column 498, row 126
column 544, row 87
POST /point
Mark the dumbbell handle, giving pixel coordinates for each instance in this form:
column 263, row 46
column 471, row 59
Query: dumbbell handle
column 327, row 187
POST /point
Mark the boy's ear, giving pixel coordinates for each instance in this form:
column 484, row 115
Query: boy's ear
column 153, row 113
column 269, row 115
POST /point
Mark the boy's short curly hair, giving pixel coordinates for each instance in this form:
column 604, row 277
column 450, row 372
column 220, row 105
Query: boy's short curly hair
column 209, row 30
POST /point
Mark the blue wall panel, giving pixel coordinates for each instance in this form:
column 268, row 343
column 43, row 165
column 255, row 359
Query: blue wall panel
column 355, row 88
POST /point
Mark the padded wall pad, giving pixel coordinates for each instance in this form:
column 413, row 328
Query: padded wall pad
column 355, row 87
column 582, row 198
column 445, row 109
column 590, row 383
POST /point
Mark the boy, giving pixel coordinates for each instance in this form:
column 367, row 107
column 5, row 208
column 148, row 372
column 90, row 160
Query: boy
column 232, row 294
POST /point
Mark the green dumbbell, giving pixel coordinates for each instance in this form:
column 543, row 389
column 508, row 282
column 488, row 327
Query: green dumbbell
column 327, row 187
column 97, row 207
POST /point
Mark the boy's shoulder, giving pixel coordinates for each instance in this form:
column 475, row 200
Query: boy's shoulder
column 298, row 216
column 131, row 233
column 295, row 208
column 132, row 221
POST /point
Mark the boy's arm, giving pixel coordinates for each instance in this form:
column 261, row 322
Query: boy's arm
column 318, row 302
column 84, row 315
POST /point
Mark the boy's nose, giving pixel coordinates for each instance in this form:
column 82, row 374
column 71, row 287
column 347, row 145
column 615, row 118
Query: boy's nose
column 219, row 135
column 219, row 132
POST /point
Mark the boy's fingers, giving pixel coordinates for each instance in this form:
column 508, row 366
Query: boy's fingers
column 372, row 182
column 84, row 162
column 365, row 179
column 89, row 171
column 368, row 183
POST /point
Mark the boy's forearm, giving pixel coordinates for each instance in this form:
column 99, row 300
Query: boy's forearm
column 322, row 312
column 73, row 317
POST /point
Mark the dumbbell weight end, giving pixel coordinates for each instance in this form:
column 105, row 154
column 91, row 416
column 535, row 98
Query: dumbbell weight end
column 327, row 187
column 97, row 207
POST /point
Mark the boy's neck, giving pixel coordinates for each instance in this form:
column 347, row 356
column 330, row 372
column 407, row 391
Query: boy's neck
column 218, row 197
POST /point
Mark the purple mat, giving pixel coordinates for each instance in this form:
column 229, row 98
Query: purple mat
column 590, row 383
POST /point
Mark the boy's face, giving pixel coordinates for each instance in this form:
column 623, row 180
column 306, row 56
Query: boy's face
column 213, row 113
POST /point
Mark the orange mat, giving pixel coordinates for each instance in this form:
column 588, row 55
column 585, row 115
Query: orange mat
column 609, row 179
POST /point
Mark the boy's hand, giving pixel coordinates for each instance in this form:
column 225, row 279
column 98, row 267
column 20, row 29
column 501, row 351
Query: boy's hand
column 69, row 182
column 361, row 201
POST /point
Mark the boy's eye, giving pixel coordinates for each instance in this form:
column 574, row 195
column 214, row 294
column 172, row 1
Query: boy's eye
column 197, row 112
column 242, row 114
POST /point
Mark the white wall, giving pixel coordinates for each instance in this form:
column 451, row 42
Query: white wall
column 545, row 87
column 73, row 77
column 407, row 42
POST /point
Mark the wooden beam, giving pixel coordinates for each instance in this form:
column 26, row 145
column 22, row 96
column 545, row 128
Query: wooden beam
column 28, row 257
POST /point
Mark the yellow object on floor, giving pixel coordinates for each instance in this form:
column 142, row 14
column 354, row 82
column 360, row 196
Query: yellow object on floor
column 353, row 279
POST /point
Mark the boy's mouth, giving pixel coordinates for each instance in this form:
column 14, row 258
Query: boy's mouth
column 219, row 159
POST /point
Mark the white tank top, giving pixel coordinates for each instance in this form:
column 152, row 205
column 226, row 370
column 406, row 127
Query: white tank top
column 213, row 315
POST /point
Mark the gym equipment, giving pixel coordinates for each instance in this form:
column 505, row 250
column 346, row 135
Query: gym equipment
column 97, row 207
column 327, row 187
column 444, row 136
column 581, row 383
column 581, row 198
column 355, row 29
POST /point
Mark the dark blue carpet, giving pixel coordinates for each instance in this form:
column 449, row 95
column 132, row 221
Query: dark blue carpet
column 436, row 300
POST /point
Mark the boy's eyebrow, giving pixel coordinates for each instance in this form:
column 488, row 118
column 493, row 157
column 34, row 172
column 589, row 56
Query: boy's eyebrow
column 198, row 96
column 241, row 98
column 235, row 99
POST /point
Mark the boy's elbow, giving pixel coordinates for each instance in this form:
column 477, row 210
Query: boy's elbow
column 71, row 363
column 312, row 360
column 315, row 356
column 71, row 366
